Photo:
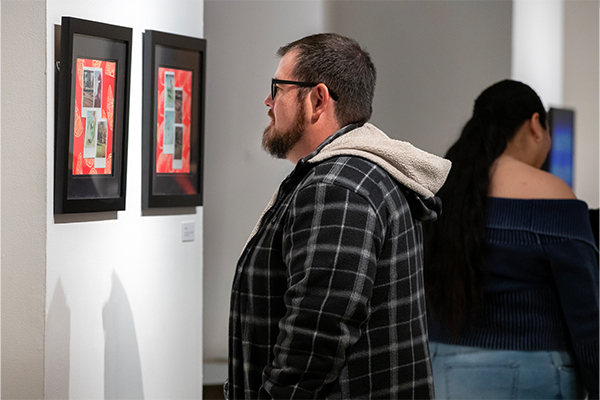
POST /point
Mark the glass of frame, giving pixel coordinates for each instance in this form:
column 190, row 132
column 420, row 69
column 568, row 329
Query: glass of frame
column 92, row 107
column 173, row 120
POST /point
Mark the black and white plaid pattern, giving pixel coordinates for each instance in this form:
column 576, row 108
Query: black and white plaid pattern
column 328, row 298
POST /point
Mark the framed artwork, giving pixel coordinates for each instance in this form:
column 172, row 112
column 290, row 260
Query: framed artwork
column 92, row 110
column 173, row 120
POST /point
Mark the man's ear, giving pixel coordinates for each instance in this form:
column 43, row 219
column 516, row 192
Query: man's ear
column 319, row 100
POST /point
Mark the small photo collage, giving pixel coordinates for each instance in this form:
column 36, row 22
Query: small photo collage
column 94, row 100
column 95, row 126
column 173, row 121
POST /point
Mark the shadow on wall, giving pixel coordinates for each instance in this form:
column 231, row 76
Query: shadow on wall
column 122, row 366
column 58, row 346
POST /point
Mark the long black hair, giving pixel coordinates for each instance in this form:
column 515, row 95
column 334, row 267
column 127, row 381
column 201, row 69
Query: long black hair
column 455, row 245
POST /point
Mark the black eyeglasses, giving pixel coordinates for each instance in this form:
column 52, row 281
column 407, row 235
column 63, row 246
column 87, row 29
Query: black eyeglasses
column 274, row 87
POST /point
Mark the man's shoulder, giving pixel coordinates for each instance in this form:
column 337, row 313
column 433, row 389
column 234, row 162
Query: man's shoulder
column 357, row 174
column 349, row 168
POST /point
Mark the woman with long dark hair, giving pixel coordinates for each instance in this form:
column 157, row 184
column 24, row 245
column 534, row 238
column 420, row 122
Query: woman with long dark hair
column 511, row 266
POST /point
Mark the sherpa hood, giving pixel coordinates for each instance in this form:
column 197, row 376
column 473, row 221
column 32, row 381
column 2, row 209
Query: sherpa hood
column 419, row 171
column 416, row 169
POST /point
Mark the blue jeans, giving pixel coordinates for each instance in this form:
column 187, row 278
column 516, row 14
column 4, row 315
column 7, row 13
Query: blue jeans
column 462, row 372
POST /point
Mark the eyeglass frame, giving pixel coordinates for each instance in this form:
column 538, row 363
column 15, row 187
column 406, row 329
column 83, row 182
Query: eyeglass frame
column 275, row 81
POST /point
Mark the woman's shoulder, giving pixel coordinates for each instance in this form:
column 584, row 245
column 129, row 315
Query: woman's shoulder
column 514, row 179
column 544, row 185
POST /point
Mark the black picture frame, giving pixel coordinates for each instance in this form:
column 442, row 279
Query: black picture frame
column 164, row 185
column 78, row 186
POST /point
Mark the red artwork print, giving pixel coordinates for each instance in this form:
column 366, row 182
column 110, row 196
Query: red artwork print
column 173, row 121
column 94, row 110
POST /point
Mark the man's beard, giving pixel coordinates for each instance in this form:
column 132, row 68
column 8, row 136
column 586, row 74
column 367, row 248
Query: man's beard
column 277, row 142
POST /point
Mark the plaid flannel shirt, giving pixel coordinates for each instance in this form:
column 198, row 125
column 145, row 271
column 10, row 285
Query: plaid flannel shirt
column 328, row 297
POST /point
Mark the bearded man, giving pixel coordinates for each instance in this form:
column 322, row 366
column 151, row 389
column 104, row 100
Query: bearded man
column 328, row 298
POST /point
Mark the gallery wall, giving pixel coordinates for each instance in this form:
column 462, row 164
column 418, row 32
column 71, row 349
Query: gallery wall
column 433, row 58
column 581, row 83
column 124, row 293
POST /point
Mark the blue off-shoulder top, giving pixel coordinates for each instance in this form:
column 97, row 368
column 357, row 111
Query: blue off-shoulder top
column 541, row 291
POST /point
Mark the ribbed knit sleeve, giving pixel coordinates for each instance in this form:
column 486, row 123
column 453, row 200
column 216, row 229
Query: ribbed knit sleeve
column 574, row 267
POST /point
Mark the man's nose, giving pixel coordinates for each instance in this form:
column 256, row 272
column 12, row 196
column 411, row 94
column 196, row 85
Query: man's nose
column 268, row 100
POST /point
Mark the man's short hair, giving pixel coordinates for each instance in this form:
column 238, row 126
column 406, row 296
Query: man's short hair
column 343, row 66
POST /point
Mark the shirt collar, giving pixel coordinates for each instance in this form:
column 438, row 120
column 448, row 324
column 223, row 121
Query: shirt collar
column 341, row 132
